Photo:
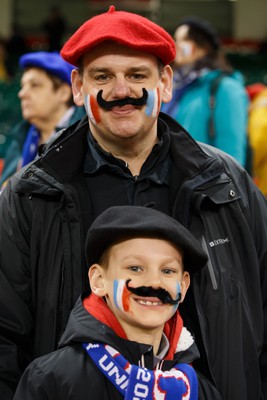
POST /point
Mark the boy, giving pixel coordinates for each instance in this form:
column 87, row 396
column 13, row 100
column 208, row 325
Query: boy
column 127, row 340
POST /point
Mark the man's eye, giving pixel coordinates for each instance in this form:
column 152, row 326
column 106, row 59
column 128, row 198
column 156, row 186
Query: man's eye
column 102, row 78
column 137, row 77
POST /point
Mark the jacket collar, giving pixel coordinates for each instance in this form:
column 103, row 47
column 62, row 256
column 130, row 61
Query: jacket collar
column 65, row 155
column 84, row 327
column 191, row 158
column 99, row 309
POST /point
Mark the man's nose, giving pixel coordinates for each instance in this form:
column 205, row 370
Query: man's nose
column 121, row 89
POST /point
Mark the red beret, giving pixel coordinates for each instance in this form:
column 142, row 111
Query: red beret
column 131, row 30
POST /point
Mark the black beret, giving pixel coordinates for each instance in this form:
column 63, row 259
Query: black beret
column 123, row 222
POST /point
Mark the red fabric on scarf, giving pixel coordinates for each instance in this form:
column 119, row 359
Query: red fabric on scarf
column 98, row 308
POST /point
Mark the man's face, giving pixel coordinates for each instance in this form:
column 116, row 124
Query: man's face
column 121, row 72
column 40, row 101
column 185, row 48
column 153, row 263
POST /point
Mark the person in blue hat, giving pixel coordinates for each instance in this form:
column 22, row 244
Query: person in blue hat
column 46, row 104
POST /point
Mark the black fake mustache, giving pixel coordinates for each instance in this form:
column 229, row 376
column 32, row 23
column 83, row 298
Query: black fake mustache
column 108, row 105
column 147, row 291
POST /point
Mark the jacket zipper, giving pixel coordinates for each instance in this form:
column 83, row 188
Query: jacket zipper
column 209, row 264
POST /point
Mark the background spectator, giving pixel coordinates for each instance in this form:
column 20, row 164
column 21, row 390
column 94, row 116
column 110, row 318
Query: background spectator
column 54, row 27
column 47, row 106
column 257, row 129
column 209, row 98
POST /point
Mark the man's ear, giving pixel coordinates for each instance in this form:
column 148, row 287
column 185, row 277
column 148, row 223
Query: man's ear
column 96, row 280
column 185, row 282
column 166, row 81
column 77, row 83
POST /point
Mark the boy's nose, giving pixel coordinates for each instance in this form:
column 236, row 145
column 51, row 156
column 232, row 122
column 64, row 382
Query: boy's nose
column 153, row 280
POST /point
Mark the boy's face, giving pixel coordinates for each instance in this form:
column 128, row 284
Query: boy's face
column 148, row 262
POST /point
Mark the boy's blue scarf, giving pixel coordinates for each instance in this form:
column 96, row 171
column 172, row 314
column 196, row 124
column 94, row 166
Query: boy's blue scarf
column 136, row 383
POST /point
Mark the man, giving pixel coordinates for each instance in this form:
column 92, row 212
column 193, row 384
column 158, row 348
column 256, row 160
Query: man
column 206, row 86
column 126, row 153
column 139, row 260
column 46, row 105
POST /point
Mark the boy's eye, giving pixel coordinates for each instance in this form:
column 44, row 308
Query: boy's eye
column 135, row 268
column 168, row 271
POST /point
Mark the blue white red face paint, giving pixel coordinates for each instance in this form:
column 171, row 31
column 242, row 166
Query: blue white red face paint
column 122, row 291
column 121, row 295
column 152, row 103
column 91, row 107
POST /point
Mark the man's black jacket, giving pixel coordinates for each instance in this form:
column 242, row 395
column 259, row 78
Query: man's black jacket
column 42, row 270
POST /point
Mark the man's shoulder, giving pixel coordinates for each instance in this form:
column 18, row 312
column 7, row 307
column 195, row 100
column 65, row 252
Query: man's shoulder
column 219, row 154
column 65, row 133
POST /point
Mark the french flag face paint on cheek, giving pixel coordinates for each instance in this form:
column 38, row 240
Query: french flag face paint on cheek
column 178, row 295
column 153, row 103
column 121, row 295
column 92, row 107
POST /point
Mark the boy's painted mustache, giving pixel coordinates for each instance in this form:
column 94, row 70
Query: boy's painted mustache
column 147, row 291
column 108, row 105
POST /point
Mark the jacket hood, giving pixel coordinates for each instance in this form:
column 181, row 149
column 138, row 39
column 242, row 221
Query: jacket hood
column 210, row 75
column 92, row 321
column 83, row 327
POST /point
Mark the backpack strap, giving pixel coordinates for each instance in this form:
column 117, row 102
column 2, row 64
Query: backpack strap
column 212, row 104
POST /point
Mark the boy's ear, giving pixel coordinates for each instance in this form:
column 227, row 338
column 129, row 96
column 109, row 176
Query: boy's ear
column 185, row 282
column 96, row 280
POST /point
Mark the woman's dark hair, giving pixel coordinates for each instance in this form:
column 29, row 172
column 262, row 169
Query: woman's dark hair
column 56, row 82
column 205, row 36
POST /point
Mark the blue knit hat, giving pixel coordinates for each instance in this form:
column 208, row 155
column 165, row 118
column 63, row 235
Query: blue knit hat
column 52, row 62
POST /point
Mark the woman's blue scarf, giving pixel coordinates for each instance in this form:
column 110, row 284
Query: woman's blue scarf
column 30, row 146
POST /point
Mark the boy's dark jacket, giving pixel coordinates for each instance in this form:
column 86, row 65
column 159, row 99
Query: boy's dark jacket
column 214, row 198
column 70, row 373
